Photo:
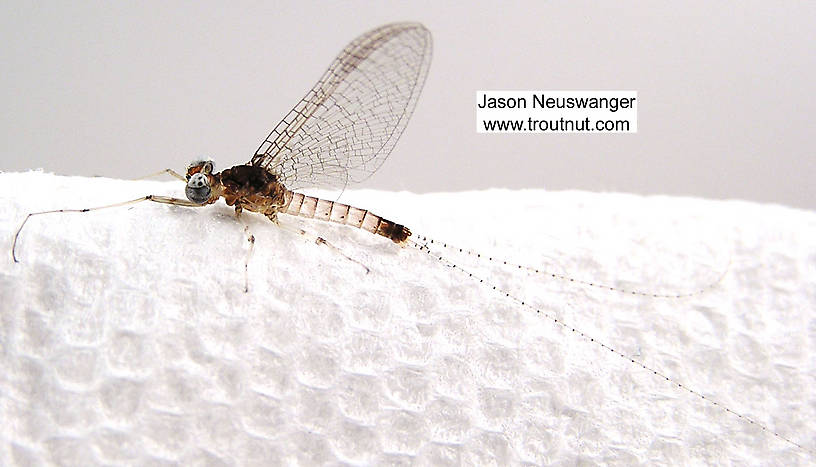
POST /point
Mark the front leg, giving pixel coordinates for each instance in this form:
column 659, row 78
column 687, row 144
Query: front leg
column 153, row 198
column 165, row 171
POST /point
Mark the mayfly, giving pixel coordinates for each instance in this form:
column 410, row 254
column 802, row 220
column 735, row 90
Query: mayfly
column 340, row 133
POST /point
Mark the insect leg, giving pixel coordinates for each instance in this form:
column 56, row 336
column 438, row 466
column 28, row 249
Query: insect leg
column 154, row 198
column 162, row 172
column 251, row 239
column 320, row 241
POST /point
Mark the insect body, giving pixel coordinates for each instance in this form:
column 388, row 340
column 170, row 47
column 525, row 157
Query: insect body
column 257, row 189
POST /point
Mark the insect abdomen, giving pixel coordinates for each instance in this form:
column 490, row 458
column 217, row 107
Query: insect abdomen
column 316, row 208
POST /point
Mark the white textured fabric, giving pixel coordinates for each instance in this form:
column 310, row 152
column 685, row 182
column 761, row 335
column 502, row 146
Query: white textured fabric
column 126, row 335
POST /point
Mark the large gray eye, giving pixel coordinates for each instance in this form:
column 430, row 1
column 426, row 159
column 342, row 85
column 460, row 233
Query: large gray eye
column 198, row 188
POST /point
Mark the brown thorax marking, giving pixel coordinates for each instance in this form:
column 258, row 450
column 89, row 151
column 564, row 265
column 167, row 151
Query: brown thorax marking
column 245, row 187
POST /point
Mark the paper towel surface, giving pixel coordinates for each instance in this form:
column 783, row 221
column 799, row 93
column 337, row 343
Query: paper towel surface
column 126, row 335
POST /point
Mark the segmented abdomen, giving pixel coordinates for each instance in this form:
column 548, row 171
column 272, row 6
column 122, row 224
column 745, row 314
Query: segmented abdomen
column 316, row 208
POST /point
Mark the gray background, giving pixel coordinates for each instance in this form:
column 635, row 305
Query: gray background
column 725, row 90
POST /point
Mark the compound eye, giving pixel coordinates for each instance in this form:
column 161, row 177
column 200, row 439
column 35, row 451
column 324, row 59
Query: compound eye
column 198, row 188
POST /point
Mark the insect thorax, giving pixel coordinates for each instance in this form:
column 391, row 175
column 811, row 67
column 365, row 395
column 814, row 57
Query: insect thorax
column 254, row 188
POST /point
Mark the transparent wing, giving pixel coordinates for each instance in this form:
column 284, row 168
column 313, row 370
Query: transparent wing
column 345, row 127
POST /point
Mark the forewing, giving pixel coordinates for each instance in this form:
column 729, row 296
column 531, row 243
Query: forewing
column 345, row 127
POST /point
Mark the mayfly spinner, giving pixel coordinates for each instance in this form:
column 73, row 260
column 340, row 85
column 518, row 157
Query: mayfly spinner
column 339, row 133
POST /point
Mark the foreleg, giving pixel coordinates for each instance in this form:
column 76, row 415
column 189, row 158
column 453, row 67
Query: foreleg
column 154, row 198
column 165, row 171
